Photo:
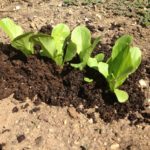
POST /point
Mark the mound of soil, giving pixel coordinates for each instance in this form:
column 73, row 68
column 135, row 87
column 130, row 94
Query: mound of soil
column 41, row 80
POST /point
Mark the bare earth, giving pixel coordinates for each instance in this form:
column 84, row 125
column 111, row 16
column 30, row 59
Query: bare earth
column 25, row 126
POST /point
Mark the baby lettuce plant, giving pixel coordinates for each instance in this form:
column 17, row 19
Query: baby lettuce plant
column 18, row 38
column 53, row 45
column 124, row 60
column 81, row 38
column 10, row 28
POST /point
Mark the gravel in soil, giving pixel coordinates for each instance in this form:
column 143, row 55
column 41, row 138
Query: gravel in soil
column 41, row 80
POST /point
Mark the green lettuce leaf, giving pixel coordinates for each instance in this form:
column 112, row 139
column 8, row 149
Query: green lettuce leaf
column 121, row 95
column 124, row 64
column 99, row 57
column 124, row 42
column 85, row 55
column 70, row 52
column 81, row 37
column 24, row 44
column 10, row 28
column 60, row 33
column 47, row 44
column 89, row 80
column 103, row 69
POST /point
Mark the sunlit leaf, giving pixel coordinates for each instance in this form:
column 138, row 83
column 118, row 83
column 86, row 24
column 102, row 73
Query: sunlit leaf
column 24, row 44
column 70, row 52
column 89, row 80
column 81, row 37
column 47, row 44
column 121, row 95
column 103, row 69
column 10, row 28
column 60, row 32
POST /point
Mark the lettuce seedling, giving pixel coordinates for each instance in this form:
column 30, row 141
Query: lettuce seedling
column 19, row 39
column 53, row 45
column 10, row 28
column 124, row 61
column 81, row 38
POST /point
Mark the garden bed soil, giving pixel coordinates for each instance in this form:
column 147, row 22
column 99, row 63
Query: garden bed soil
column 40, row 79
column 88, row 116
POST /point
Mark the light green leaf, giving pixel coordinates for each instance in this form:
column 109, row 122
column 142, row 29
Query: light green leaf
column 79, row 65
column 10, row 28
column 70, row 52
column 115, row 83
column 23, row 43
column 121, row 95
column 121, row 44
column 89, row 80
column 124, row 64
column 96, row 41
column 60, row 32
column 99, row 57
column 85, row 55
column 103, row 69
column 136, row 57
column 81, row 37
column 47, row 44
column 92, row 63
column 59, row 59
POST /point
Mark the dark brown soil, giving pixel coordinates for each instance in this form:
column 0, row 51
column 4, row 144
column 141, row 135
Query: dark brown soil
column 40, row 79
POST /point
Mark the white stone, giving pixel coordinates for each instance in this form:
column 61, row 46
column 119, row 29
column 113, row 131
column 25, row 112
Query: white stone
column 90, row 121
column 17, row 7
column 143, row 83
column 114, row 146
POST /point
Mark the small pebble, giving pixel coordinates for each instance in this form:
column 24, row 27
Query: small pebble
column 65, row 122
column 60, row 5
column 24, row 106
column 100, row 28
column 20, row 138
column 2, row 145
column 99, row 16
column 15, row 109
column 43, row 117
column 34, row 110
column 90, row 121
column 38, row 140
column 143, row 83
column 37, row 102
column 17, row 7
column 114, row 146
column 82, row 148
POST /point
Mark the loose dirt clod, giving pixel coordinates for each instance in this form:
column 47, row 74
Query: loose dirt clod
column 73, row 113
column 15, row 109
column 20, row 138
column 38, row 140
column 1, row 146
column 34, row 110
column 25, row 106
